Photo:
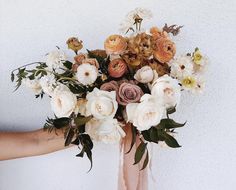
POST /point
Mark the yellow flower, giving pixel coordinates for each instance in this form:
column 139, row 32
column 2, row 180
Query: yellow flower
column 197, row 57
column 189, row 82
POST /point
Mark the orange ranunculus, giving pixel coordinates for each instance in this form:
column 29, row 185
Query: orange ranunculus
column 164, row 49
column 115, row 44
column 117, row 68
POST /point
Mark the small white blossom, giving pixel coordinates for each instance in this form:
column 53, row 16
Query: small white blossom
column 48, row 83
column 87, row 73
column 33, row 85
column 55, row 59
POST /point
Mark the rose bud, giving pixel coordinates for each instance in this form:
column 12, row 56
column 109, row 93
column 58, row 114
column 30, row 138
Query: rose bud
column 115, row 44
column 117, row 68
column 79, row 58
column 74, row 44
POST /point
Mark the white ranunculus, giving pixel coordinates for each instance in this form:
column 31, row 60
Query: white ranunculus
column 87, row 73
column 145, row 114
column 48, row 83
column 107, row 130
column 144, row 75
column 167, row 90
column 33, row 85
column 55, row 59
column 101, row 104
column 63, row 101
column 181, row 67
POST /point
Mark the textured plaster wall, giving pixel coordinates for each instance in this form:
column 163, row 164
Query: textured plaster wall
column 29, row 29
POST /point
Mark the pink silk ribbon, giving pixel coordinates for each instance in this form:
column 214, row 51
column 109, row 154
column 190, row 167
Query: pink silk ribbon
column 130, row 176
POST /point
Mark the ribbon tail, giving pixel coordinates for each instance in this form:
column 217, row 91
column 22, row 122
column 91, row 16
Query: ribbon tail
column 130, row 176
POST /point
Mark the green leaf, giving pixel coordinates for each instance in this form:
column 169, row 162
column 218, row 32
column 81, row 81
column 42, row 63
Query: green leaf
column 81, row 154
column 61, row 122
column 134, row 135
column 169, row 124
column 89, row 155
column 76, row 141
column 68, row 65
column 145, row 163
column 140, row 152
column 69, row 136
column 170, row 141
column 151, row 135
column 79, row 121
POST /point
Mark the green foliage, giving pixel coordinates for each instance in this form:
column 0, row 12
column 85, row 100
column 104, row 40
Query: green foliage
column 140, row 152
column 134, row 135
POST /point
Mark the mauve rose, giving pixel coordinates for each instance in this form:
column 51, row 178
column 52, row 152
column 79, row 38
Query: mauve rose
column 110, row 86
column 129, row 93
column 117, row 68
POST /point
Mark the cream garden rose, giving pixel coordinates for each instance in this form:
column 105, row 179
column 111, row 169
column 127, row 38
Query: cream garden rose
column 101, row 104
column 167, row 90
column 145, row 114
column 144, row 75
column 63, row 101
column 87, row 73
column 107, row 130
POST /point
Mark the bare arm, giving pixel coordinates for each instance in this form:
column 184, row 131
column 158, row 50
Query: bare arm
column 24, row 144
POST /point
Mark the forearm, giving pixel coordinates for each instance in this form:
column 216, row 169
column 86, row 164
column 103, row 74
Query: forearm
column 24, row 144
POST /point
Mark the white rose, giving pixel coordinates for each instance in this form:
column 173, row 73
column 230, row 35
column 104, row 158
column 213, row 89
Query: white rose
column 33, row 85
column 101, row 104
column 145, row 114
column 87, row 73
column 167, row 90
column 55, row 59
column 144, row 75
column 63, row 101
column 48, row 82
column 107, row 131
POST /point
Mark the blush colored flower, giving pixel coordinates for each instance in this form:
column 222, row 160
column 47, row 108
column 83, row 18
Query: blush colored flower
column 129, row 93
column 91, row 61
column 144, row 75
column 79, row 58
column 117, row 68
column 115, row 44
column 164, row 50
column 110, row 86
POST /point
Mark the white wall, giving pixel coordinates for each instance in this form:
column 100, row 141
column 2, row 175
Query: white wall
column 29, row 29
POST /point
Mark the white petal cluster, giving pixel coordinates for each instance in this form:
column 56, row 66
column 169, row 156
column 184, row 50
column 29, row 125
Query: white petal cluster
column 106, row 130
column 144, row 75
column 87, row 73
column 167, row 90
column 129, row 20
column 34, row 85
column 48, row 84
column 145, row 114
column 55, row 59
column 101, row 104
column 63, row 101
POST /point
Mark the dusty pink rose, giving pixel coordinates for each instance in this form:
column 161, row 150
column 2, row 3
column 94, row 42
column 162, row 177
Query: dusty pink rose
column 129, row 93
column 110, row 86
column 117, row 68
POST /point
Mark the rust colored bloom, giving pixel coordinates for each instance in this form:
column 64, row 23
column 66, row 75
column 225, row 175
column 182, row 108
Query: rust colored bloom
column 74, row 44
column 161, row 69
column 99, row 52
column 117, row 68
column 115, row 44
column 129, row 93
column 164, row 50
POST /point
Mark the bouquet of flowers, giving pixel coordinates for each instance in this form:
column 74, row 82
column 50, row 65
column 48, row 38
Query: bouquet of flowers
column 132, row 86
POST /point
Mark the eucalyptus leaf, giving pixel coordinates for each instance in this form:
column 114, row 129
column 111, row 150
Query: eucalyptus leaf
column 170, row 141
column 140, row 152
column 145, row 163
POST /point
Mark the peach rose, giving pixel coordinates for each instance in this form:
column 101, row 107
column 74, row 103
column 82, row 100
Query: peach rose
column 164, row 50
column 91, row 61
column 79, row 58
column 117, row 68
column 115, row 44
